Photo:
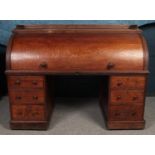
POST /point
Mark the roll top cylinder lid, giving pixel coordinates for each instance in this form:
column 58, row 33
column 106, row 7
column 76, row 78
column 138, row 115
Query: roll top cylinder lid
column 77, row 48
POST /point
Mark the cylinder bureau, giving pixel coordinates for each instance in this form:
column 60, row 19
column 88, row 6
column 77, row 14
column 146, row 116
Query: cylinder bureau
column 117, row 52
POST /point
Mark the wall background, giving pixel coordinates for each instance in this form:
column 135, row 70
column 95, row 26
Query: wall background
column 7, row 25
column 82, row 86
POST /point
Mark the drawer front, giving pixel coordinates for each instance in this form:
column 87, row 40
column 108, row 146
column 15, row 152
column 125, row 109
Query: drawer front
column 131, row 96
column 121, row 82
column 28, row 113
column 26, row 81
column 126, row 113
column 27, row 97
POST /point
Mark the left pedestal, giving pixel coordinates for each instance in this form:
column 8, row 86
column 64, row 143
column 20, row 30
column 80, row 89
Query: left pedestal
column 30, row 105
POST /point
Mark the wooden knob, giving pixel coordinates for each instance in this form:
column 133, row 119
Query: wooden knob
column 35, row 97
column 133, row 114
column 19, row 113
column 18, row 97
column 117, row 114
column 35, row 113
column 34, row 82
column 119, row 97
column 43, row 65
column 119, row 83
column 110, row 65
column 17, row 82
column 135, row 98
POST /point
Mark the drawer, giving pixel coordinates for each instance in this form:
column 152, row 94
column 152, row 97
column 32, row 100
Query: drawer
column 27, row 97
column 126, row 113
column 26, row 81
column 28, row 112
column 131, row 96
column 130, row 82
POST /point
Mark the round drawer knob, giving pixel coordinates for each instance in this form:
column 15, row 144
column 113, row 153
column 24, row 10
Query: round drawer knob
column 17, row 82
column 134, row 98
column 119, row 84
column 117, row 114
column 35, row 97
column 110, row 66
column 19, row 113
column 34, row 82
column 119, row 97
column 35, row 113
column 43, row 65
column 18, row 97
column 133, row 114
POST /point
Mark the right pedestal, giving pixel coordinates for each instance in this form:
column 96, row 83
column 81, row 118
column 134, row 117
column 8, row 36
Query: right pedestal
column 124, row 102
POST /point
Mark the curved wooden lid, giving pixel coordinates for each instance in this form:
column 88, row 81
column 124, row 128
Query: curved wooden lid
column 77, row 48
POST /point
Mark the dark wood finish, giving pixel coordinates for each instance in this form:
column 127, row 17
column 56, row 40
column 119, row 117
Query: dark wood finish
column 126, row 125
column 30, row 104
column 28, row 97
column 118, row 52
column 126, row 103
column 121, row 82
column 28, row 113
column 26, row 81
column 8, row 51
column 82, row 59
column 29, row 72
column 123, row 113
column 123, row 96
column 29, row 125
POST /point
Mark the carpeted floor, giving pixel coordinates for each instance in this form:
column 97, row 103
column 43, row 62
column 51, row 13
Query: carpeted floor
column 78, row 116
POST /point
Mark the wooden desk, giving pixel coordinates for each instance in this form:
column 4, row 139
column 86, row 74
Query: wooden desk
column 118, row 52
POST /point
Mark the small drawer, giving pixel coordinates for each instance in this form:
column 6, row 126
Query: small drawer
column 27, row 97
column 26, row 81
column 28, row 112
column 130, row 82
column 125, row 113
column 123, row 97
